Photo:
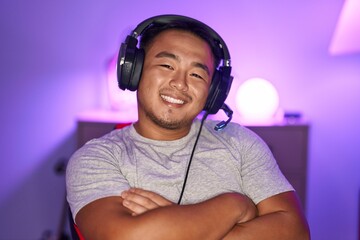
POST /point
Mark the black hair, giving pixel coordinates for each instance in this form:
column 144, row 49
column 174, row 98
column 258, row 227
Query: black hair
column 155, row 29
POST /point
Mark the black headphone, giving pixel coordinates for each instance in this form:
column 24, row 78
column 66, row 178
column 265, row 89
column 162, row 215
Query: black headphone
column 131, row 58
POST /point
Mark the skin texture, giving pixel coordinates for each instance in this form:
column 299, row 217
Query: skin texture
column 173, row 89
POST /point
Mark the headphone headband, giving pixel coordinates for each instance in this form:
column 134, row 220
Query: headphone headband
column 169, row 18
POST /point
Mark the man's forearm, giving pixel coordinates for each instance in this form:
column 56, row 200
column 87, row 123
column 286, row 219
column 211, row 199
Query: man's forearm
column 272, row 226
column 289, row 223
column 211, row 219
column 205, row 220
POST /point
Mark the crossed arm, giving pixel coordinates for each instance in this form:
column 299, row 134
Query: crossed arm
column 141, row 214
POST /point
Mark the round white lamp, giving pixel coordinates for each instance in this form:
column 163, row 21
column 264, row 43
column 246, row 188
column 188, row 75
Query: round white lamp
column 257, row 101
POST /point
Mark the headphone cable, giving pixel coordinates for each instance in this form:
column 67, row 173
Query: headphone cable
column 191, row 157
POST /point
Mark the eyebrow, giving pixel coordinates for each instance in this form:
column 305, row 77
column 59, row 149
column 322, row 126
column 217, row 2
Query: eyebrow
column 202, row 66
column 165, row 54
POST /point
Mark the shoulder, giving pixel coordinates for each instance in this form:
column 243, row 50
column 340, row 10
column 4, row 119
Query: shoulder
column 234, row 136
column 232, row 131
column 103, row 147
column 93, row 170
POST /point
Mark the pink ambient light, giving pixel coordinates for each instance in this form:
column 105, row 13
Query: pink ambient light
column 346, row 37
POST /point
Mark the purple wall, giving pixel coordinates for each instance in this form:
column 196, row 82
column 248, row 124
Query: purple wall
column 53, row 57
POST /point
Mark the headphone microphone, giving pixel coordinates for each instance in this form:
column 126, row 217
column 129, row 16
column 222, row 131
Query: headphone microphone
column 221, row 125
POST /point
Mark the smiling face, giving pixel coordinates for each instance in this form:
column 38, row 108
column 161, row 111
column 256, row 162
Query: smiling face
column 174, row 86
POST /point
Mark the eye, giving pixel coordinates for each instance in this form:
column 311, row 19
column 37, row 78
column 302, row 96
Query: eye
column 196, row 75
column 167, row 66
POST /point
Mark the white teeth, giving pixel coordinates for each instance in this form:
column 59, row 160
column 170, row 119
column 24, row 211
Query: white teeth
column 172, row 100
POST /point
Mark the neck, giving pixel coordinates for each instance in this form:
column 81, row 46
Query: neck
column 153, row 131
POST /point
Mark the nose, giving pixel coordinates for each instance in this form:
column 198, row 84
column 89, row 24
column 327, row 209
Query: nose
column 179, row 81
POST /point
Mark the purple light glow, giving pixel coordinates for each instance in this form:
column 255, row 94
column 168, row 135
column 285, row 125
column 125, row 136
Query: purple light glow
column 63, row 48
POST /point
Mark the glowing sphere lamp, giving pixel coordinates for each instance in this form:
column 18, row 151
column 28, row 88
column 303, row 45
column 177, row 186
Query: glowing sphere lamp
column 257, row 101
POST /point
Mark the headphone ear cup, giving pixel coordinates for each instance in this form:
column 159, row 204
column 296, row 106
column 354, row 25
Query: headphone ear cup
column 218, row 92
column 211, row 99
column 129, row 64
column 136, row 70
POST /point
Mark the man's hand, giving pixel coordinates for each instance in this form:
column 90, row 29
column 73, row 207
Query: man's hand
column 139, row 201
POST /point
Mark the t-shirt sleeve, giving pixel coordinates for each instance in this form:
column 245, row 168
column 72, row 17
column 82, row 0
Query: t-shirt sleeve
column 92, row 173
column 260, row 172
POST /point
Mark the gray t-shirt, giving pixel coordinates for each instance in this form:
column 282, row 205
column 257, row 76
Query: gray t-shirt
column 231, row 160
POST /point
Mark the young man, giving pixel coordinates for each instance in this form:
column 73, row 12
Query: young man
column 126, row 185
